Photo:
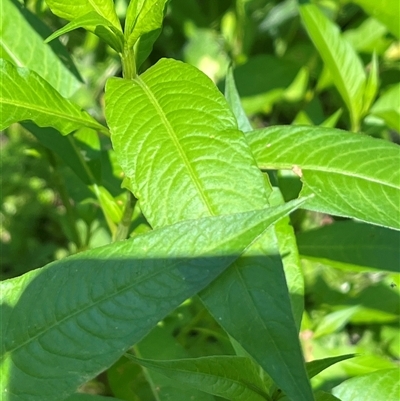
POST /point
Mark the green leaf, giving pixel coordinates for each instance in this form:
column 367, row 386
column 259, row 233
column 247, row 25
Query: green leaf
column 339, row 57
column 144, row 46
column 143, row 16
column 371, row 85
column 323, row 396
column 17, row 24
column 387, row 107
column 27, row 96
column 352, row 246
column 89, row 397
column 97, row 24
column 73, row 9
column 338, row 168
column 233, row 99
column 317, row 366
column 178, row 144
column 379, row 385
column 232, row 377
column 386, row 11
column 66, row 322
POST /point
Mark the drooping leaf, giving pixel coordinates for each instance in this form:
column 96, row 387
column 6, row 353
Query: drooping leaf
column 387, row 107
column 66, row 322
column 27, row 96
column 232, row 377
column 318, row 365
column 379, row 385
column 73, row 9
column 175, row 139
column 386, row 11
column 339, row 57
column 338, row 168
column 353, row 246
column 233, row 99
column 22, row 44
column 143, row 16
column 97, row 24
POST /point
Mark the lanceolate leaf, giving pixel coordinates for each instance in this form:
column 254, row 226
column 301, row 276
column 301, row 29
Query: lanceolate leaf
column 73, row 9
column 96, row 304
column 232, row 377
column 22, row 44
column 27, row 96
column 339, row 57
column 352, row 246
column 337, row 167
column 97, row 24
column 177, row 140
column 318, row 365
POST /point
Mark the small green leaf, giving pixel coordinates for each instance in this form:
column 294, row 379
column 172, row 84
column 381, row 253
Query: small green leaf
column 338, row 168
column 15, row 30
column 379, row 385
column 97, row 24
column 339, row 57
column 232, row 377
column 371, row 85
column 143, row 16
column 387, row 107
column 352, row 246
column 317, row 366
column 27, row 96
column 233, row 99
column 66, row 322
column 73, row 9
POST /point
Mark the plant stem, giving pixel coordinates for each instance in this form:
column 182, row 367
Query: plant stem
column 125, row 223
column 128, row 64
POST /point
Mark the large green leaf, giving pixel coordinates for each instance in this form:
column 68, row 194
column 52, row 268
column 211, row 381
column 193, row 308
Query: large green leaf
column 339, row 57
column 27, row 96
column 353, row 246
column 73, row 9
column 232, row 377
column 176, row 139
column 143, row 16
column 386, row 11
column 66, row 322
column 180, row 143
column 350, row 175
column 379, row 385
column 21, row 42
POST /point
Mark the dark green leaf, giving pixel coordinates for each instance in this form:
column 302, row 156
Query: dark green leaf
column 317, row 366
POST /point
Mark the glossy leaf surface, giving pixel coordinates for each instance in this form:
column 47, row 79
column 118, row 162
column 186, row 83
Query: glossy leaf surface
column 27, row 96
column 96, row 304
column 33, row 53
column 336, row 166
column 232, row 377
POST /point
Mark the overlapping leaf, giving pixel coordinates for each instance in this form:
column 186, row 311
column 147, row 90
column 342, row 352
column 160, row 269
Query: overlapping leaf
column 27, row 96
column 338, row 167
column 93, row 306
column 339, row 57
column 232, row 377
column 21, row 44
column 387, row 107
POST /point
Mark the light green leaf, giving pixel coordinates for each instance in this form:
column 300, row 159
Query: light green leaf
column 335, row 321
column 232, row 377
column 339, row 57
column 387, row 107
column 22, row 44
column 352, row 246
column 97, row 24
column 66, row 322
column 144, row 46
column 317, row 366
column 27, row 96
column 350, row 174
column 177, row 144
column 379, row 385
column 73, row 9
column 233, row 99
column 386, row 11
column 371, row 85
column 143, row 16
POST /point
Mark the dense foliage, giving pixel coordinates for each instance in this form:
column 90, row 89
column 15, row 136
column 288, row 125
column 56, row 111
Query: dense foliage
column 152, row 152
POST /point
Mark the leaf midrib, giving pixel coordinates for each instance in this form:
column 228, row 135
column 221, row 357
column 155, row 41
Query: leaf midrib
column 174, row 138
